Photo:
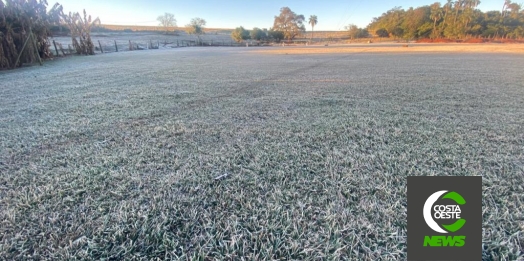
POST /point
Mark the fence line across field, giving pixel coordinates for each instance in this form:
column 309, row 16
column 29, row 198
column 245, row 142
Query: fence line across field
column 110, row 46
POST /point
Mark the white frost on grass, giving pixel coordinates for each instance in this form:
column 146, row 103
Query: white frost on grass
column 114, row 156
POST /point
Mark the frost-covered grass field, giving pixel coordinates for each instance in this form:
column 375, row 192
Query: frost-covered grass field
column 230, row 153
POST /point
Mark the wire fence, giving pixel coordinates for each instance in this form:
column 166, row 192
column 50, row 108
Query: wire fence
column 105, row 46
column 61, row 48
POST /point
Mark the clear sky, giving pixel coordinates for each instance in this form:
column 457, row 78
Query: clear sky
column 332, row 14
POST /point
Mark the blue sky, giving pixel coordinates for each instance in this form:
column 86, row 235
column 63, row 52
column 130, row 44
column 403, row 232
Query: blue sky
column 332, row 14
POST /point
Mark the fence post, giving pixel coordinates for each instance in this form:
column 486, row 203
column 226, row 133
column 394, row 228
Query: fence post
column 69, row 49
column 116, row 47
column 151, row 42
column 130, row 46
column 23, row 48
column 99, row 44
column 61, row 49
column 36, row 48
column 158, row 44
column 177, row 43
column 56, row 49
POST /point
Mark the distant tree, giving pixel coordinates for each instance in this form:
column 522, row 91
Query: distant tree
column 416, row 23
column 196, row 27
column 277, row 36
column 436, row 14
column 382, row 32
column 167, row 20
column 313, row 20
column 391, row 21
column 240, row 34
column 468, row 15
column 258, row 34
column 447, row 9
column 289, row 23
column 355, row 32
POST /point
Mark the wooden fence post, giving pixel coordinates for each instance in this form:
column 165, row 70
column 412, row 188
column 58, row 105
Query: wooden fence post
column 116, row 47
column 56, row 49
column 23, row 48
column 69, row 49
column 36, row 48
column 99, row 44
column 61, row 49
column 130, row 46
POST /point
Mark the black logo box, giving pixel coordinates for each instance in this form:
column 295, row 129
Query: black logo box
column 419, row 189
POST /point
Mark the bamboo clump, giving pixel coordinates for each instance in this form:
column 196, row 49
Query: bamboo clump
column 80, row 29
column 24, row 31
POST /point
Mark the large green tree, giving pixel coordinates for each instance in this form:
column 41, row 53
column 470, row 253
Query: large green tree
column 391, row 21
column 289, row 23
column 416, row 23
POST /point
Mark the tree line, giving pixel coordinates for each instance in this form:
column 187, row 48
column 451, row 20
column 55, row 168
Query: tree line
column 457, row 19
column 454, row 20
column 287, row 25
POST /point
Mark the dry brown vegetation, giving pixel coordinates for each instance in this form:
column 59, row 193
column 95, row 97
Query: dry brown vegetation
column 24, row 31
column 80, row 29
